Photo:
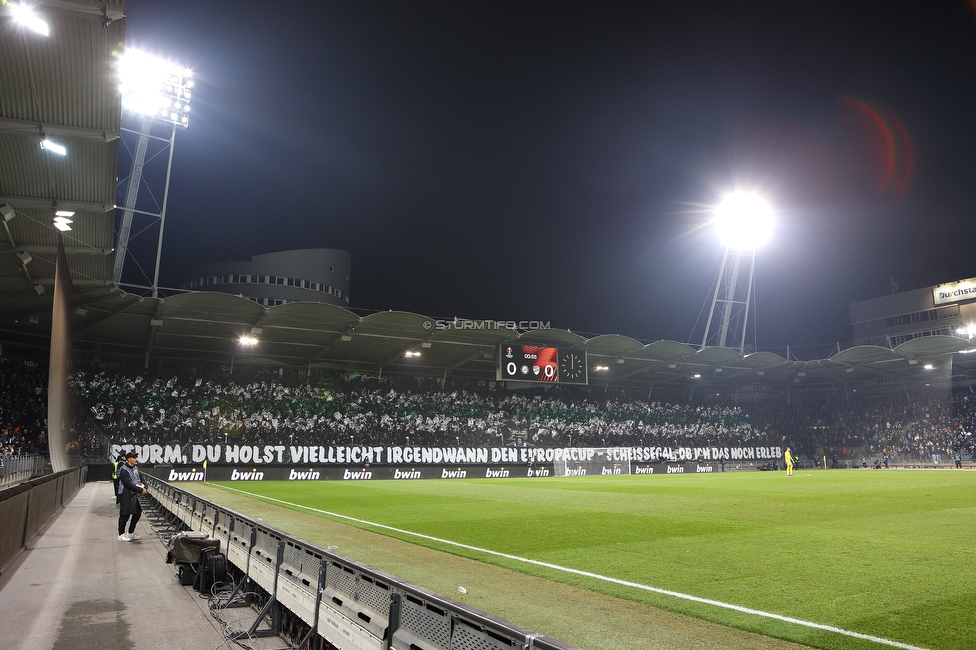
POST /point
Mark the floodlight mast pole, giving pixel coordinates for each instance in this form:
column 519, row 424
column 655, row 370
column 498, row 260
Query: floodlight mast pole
column 162, row 215
column 743, row 221
column 167, row 101
column 131, row 194
column 731, row 298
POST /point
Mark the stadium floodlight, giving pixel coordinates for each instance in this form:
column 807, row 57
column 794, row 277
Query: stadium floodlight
column 53, row 147
column 25, row 15
column 62, row 223
column 411, row 353
column 967, row 331
column 64, row 213
column 744, row 221
column 248, row 341
column 155, row 87
column 158, row 91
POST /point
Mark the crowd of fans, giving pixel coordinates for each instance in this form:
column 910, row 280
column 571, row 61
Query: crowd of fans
column 890, row 424
column 257, row 406
column 23, row 407
column 265, row 408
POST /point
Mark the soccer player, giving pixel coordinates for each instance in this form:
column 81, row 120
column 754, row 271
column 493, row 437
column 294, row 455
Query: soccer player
column 789, row 462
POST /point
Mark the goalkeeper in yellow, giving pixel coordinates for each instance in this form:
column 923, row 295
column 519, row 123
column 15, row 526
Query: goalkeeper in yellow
column 788, row 457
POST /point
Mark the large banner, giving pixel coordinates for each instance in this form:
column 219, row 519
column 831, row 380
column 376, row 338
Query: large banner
column 328, row 473
column 300, row 455
column 232, row 473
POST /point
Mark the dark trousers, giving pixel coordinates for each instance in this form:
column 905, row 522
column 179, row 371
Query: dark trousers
column 135, row 514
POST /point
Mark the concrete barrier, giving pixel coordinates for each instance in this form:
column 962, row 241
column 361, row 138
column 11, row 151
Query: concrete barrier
column 27, row 507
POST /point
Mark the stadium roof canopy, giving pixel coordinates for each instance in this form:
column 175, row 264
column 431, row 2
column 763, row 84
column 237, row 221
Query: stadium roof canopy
column 208, row 327
column 62, row 87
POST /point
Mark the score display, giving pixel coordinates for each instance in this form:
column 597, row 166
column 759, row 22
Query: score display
column 541, row 363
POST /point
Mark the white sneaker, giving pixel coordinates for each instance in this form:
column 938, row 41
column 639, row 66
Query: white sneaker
column 124, row 538
column 133, row 536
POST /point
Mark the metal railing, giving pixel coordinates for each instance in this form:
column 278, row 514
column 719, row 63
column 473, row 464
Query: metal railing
column 343, row 602
column 14, row 469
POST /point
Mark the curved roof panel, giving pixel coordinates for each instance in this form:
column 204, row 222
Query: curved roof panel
column 612, row 345
column 60, row 87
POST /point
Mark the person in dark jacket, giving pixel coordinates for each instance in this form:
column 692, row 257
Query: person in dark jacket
column 130, row 487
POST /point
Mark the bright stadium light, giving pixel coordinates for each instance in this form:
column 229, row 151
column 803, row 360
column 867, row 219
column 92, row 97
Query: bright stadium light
column 53, row 147
column 63, row 223
column 967, row 331
column 248, row 341
column 24, row 15
column 155, row 87
column 744, row 221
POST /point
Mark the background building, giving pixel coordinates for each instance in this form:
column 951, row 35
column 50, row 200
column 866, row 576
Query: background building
column 310, row 275
column 946, row 309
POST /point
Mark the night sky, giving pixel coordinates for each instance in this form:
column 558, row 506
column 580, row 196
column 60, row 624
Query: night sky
column 556, row 161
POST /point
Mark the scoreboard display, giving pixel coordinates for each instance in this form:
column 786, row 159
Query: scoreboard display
column 541, row 363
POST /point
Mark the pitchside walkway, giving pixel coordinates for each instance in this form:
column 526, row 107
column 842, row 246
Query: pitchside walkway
column 77, row 587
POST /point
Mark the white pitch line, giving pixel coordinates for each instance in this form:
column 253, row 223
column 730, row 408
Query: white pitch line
column 595, row 576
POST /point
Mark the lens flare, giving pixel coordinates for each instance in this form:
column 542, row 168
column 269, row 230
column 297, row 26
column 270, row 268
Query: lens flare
column 883, row 138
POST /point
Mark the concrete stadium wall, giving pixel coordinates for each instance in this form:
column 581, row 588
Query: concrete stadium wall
column 27, row 507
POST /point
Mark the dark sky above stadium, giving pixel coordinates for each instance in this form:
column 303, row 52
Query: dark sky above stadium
column 555, row 161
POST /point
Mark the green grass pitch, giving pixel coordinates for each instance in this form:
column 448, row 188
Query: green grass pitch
column 890, row 554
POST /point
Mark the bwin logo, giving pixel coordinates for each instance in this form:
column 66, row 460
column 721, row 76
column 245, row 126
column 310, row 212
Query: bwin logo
column 253, row 475
column 352, row 476
column 310, row 475
column 192, row 475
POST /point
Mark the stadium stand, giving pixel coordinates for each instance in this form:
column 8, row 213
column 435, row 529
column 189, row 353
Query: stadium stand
column 258, row 406
column 23, row 407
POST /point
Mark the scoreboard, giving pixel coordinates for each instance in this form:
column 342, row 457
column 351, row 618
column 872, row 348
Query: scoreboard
column 541, row 363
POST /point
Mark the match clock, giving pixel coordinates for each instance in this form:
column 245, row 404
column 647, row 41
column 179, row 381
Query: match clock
column 572, row 367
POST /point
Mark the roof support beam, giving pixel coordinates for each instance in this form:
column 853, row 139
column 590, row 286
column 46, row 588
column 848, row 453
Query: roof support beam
column 155, row 322
column 46, row 249
column 87, row 7
column 8, row 125
column 49, row 204
column 95, row 320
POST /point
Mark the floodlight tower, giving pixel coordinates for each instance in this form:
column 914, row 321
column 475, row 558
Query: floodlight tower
column 158, row 91
column 744, row 222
